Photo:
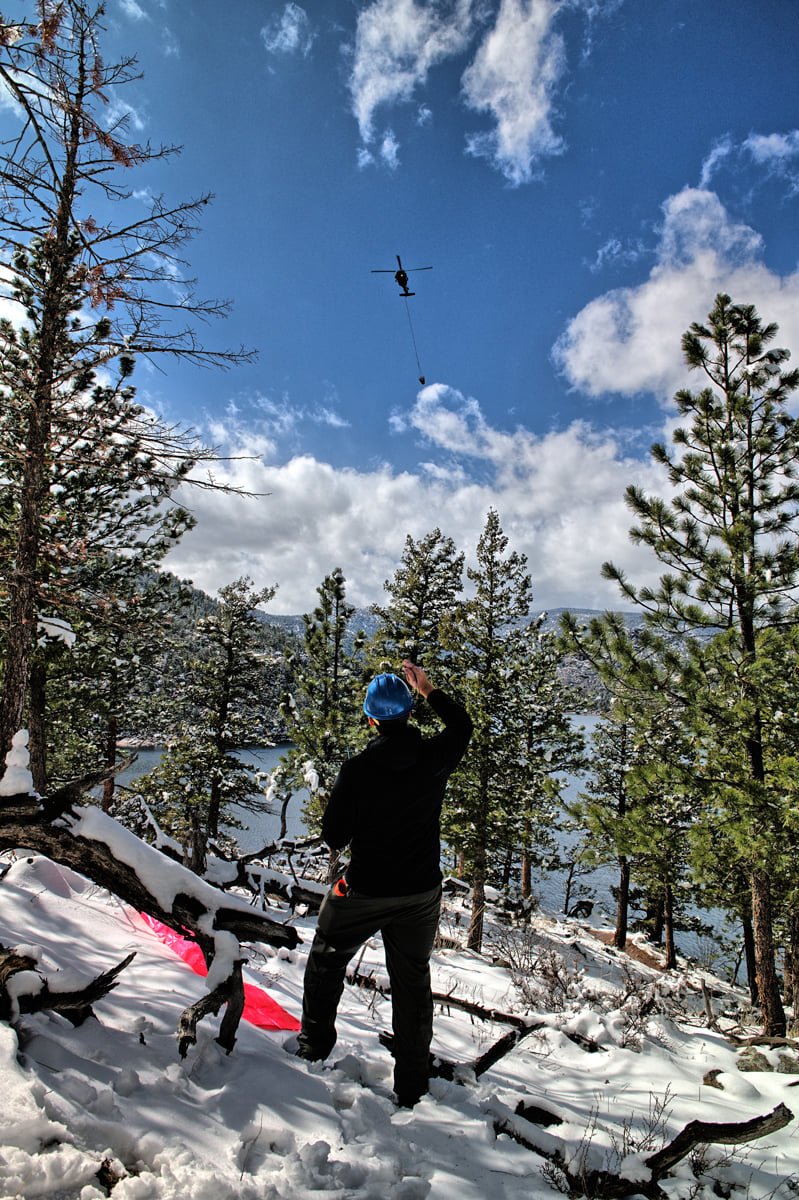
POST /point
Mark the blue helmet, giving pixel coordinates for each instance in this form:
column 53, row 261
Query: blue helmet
column 387, row 698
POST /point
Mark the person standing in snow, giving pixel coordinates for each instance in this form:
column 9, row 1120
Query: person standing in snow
column 386, row 804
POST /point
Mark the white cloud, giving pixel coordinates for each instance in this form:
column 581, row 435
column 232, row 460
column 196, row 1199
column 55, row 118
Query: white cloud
column 289, row 32
column 275, row 419
column 170, row 47
column 396, row 44
column 316, row 517
column 773, row 147
column 721, row 151
column 696, row 222
column 133, row 10
column 778, row 153
column 628, row 340
column 389, row 150
column 120, row 113
column 513, row 78
column 615, row 251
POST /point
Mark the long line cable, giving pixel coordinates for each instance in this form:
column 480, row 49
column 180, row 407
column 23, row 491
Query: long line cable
column 413, row 339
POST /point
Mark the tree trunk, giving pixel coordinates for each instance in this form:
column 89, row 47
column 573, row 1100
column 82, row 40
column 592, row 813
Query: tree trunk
column 749, row 956
column 622, row 904
column 668, row 927
column 37, row 724
column 22, row 590
column 526, row 876
column 55, row 311
column 474, row 940
column 198, row 842
column 773, row 1014
column 111, row 734
column 792, row 970
column 656, row 916
column 214, row 807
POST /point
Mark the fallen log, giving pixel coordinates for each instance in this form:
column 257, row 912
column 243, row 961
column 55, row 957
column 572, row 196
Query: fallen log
column 606, row 1185
column 448, row 1000
column 93, row 844
column 251, row 873
column 23, row 824
column 724, row 1133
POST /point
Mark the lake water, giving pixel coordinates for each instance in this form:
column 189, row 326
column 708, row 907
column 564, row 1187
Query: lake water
column 550, row 887
column 259, row 828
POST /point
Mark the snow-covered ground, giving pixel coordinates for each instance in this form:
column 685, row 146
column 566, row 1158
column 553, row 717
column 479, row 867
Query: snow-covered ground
column 112, row 1096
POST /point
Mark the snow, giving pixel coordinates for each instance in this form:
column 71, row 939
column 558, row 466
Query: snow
column 310, row 776
column 56, row 629
column 17, row 779
column 260, row 1124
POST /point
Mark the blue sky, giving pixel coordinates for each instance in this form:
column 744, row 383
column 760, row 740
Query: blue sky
column 583, row 176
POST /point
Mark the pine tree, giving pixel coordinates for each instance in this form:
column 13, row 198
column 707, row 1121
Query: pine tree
column 483, row 816
column 727, row 539
column 324, row 712
column 424, row 590
column 107, row 684
column 201, row 776
column 87, row 293
column 553, row 748
column 602, row 807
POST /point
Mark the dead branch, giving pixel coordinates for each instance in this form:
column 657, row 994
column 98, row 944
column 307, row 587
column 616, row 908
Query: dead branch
column 448, row 1000
column 710, row 1016
column 762, row 1039
column 725, row 1133
column 229, row 992
column 47, row 828
column 75, row 1004
column 252, row 874
column 604, row 1185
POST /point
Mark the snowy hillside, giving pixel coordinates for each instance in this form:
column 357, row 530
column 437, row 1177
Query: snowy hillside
column 610, row 1060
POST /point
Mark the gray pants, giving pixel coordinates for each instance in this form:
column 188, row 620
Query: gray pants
column 408, row 925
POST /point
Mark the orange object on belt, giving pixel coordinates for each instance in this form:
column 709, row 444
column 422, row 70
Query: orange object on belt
column 340, row 887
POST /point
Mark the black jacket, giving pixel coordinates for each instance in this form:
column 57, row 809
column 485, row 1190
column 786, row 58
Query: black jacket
column 386, row 803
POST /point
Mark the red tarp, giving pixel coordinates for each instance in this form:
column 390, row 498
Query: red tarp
column 259, row 1008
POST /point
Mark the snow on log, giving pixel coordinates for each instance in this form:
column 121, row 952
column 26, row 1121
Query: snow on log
column 95, row 845
column 230, row 992
column 645, row 1179
column 25, row 989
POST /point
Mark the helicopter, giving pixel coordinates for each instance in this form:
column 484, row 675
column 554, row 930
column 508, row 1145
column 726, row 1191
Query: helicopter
column 401, row 275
